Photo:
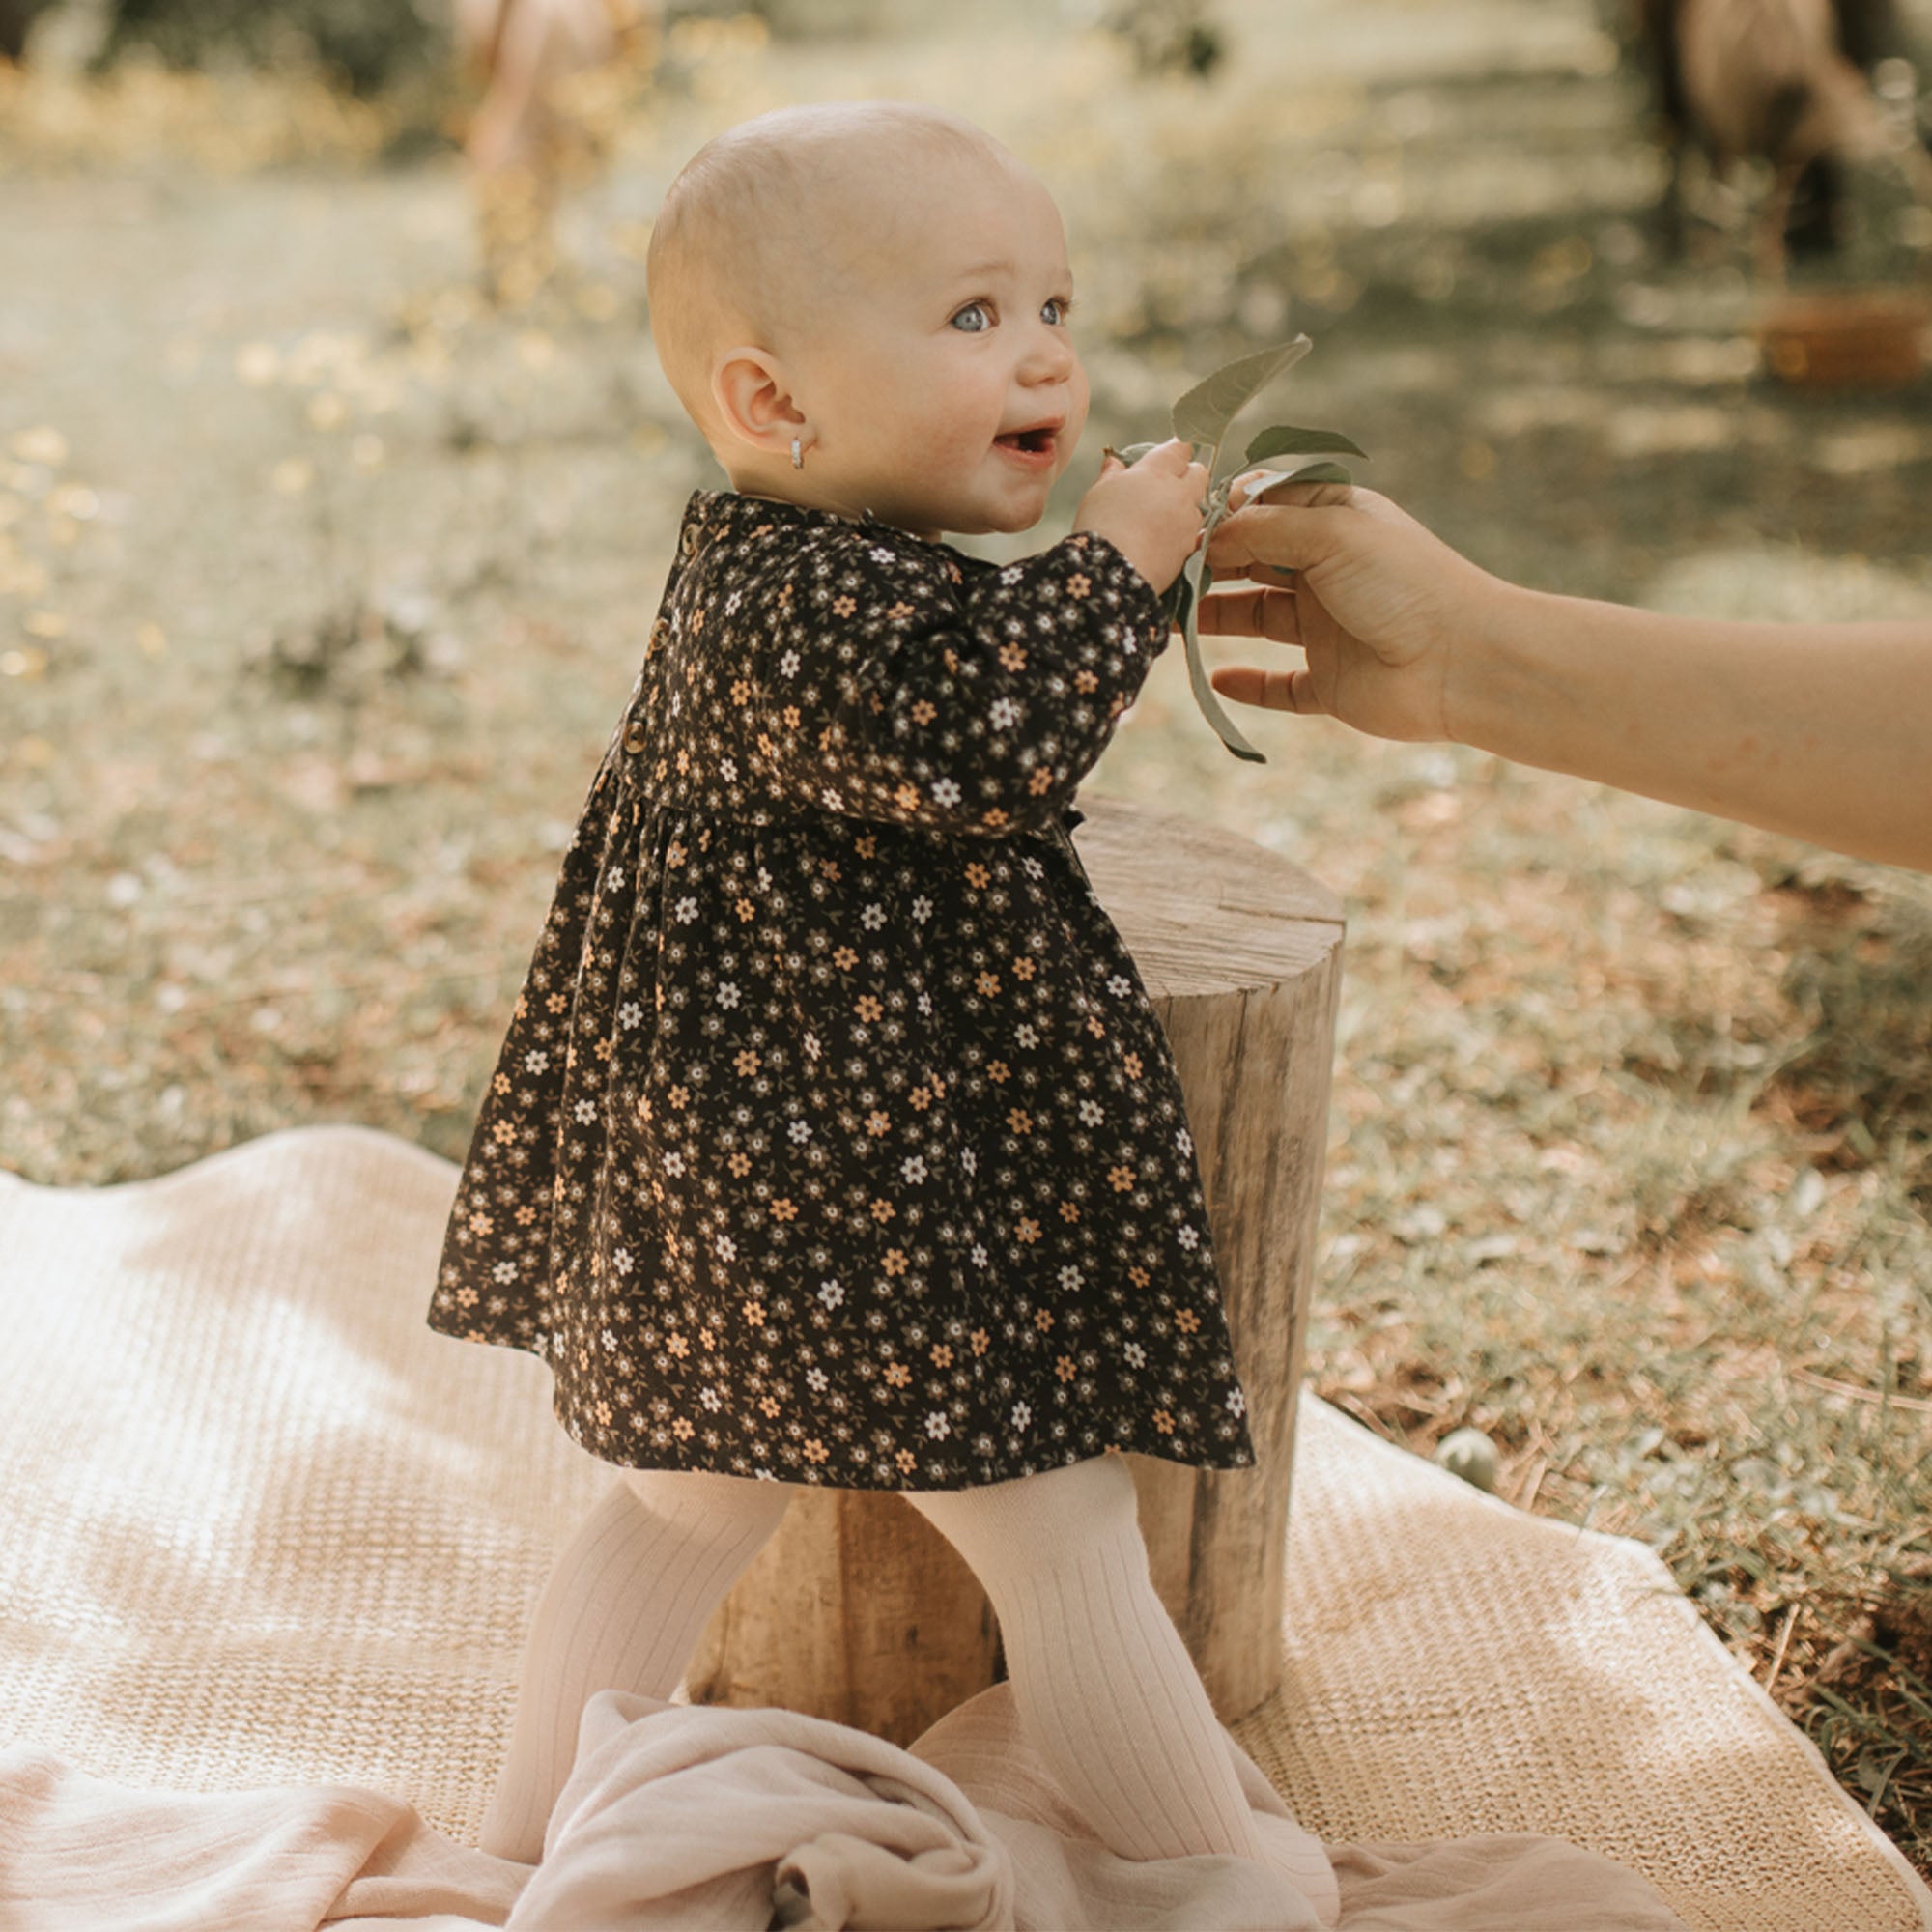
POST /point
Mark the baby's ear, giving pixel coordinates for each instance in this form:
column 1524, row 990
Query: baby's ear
column 753, row 400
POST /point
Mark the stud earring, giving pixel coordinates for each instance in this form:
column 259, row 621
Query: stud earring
column 797, row 455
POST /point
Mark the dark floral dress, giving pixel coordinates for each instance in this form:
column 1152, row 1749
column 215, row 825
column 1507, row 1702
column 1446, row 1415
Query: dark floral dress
column 833, row 1139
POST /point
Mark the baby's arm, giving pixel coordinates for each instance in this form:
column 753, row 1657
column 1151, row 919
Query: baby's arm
column 887, row 690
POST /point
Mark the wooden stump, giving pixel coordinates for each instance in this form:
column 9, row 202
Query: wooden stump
column 858, row 1610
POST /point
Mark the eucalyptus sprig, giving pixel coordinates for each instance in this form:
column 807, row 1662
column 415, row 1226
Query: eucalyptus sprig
column 1204, row 416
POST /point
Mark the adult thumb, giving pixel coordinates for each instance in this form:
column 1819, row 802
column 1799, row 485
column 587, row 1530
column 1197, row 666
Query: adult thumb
column 1289, row 536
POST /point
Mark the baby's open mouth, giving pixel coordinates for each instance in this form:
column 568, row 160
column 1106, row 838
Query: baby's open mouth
column 1036, row 441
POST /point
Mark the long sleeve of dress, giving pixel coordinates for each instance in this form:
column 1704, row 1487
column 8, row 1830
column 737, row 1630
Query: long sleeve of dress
column 897, row 682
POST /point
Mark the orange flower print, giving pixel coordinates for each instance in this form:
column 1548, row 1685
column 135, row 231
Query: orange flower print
column 843, row 607
column 993, row 819
column 741, row 691
column 868, row 1009
column 998, row 1072
column 1013, row 657
column 754, row 1314
column 678, row 1346
column 768, row 1404
column 682, row 1429
column 942, row 1356
column 883, row 1211
column 1122, row 1178
column 1164, row 1420
column 923, row 713
column 1020, row 1121
column 893, row 1262
column 876, row 1123
column 785, row 1209
column 988, row 984
column 481, row 1224
column 1187, row 1321
column 1023, row 969
column 1064, row 1368
column 980, row 1340
column 906, row 798
column 746, row 1062
column 815, row 1451
column 1079, row 585
column 739, row 1165
column 1043, row 1320
column 921, row 1099
column 845, row 958
column 745, row 910
column 899, row 613
column 977, row 876
column 1069, row 1211
column 790, row 716
column 1139, row 1276
column 906, row 1461
column 1028, row 1230
column 898, row 1373
column 1131, row 1066
column 1041, row 782
column 1084, row 682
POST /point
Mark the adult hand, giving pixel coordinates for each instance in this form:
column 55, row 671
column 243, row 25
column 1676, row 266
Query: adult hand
column 1375, row 601
column 1152, row 512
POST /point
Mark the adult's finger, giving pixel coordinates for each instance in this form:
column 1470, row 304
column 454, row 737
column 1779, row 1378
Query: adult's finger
column 1271, row 690
column 1289, row 538
column 1250, row 613
column 1259, row 486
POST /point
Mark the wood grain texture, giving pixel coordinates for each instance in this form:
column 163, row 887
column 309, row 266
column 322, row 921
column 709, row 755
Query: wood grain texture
column 858, row 1610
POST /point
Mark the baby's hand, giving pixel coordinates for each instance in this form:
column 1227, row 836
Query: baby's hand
column 1152, row 513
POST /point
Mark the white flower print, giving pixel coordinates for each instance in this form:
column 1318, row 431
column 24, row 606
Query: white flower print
column 1238, row 1402
column 745, row 1245
column 1187, row 1236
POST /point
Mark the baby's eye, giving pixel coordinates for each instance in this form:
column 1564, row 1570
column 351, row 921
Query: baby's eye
column 975, row 318
column 1054, row 313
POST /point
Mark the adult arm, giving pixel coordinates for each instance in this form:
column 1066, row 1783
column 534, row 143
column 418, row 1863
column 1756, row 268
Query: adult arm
column 1820, row 730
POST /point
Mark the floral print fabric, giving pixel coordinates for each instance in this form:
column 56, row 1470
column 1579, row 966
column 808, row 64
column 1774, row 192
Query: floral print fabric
column 833, row 1139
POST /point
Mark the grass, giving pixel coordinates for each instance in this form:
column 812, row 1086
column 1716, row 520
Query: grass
column 1632, row 1114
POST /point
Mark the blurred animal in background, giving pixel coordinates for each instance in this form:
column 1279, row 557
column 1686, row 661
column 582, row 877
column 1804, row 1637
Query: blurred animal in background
column 1786, row 82
column 1169, row 36
column 16, row 18
column 556, row 78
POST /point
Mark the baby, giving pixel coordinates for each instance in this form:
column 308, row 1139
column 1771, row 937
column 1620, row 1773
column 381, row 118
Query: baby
column 834, row 1140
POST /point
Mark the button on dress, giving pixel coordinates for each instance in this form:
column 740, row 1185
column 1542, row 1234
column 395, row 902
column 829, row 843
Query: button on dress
column 833, row 1139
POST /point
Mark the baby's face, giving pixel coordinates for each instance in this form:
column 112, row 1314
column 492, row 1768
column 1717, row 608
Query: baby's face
column 939, row 381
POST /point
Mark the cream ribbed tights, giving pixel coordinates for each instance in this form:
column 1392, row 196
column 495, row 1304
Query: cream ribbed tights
column 623, row 1609
column 1106, row 1689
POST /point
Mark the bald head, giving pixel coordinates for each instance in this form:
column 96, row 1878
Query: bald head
column 769, row 224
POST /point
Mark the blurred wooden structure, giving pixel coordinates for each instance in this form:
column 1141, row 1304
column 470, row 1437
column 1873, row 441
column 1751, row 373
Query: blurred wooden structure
column 858, row 1610
column 1848, row 338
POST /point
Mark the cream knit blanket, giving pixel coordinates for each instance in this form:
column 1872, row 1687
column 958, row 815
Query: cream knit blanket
column 261, row 1527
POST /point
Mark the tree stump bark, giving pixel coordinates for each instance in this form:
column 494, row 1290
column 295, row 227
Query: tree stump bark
column 858, row 1610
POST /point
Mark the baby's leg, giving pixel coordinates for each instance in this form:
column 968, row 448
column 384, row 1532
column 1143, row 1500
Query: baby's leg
column 622, row 1610
column 1105, row 1688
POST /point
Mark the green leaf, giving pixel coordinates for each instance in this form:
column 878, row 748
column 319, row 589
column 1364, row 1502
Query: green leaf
column 1321, row 470
column 1203, row 414
column 1133, row 452
column 1178, row 603
column 1285, row 440
column 1197, row 676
